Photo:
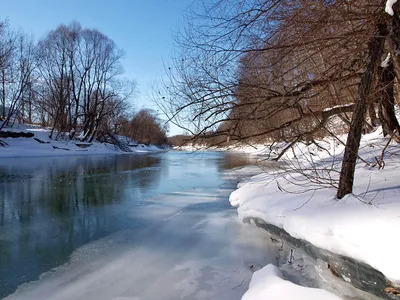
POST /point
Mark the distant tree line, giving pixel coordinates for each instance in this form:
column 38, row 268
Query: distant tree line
column 180, row 140
column 278, row 70
column 71, row 81
column 144, row 127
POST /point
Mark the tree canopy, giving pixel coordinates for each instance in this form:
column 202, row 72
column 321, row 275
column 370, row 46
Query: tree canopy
column 274, row 70
column 71, row 81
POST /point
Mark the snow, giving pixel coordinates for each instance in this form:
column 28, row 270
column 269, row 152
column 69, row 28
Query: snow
column 385, row 63
column 29, row 147
column 389, row 6
column 362, row 225
column 337, row 106
column 268, row 283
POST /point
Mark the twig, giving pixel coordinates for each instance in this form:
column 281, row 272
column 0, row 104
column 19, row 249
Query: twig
column 380, row 162
column 305, row 202
column 239, row 284
column 55, row 147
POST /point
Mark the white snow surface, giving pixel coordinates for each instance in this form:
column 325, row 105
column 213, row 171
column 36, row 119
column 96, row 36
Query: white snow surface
column 268, row 283
column 385, row 63
column 337, row 106
column 389, row 6
column 29, row 147
column 363, row 225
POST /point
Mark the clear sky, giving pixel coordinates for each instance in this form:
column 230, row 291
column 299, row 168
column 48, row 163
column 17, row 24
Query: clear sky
column 142, row 28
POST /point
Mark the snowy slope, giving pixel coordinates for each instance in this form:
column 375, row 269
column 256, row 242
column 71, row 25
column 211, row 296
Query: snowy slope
column 268, row 283
column 20, row 147
column 363, row 225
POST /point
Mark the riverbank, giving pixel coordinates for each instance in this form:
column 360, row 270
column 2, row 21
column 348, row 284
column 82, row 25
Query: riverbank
column 27, row 141
column 362, row 226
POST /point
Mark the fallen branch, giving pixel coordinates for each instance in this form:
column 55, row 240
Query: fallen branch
column 239, row 284
column 379, row 161
column 55, row 147
column 40, row 141
column 3, row 143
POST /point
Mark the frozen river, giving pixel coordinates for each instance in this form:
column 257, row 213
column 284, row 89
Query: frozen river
column 125, row 227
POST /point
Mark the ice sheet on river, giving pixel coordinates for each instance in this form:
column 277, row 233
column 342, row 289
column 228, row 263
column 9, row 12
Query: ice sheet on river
column 194, row 250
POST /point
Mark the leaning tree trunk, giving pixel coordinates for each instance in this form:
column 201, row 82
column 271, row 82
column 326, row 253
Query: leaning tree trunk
column 346, row 180
column 372, row 115
column 386, row 101
column 394, row 41
column 3, row 94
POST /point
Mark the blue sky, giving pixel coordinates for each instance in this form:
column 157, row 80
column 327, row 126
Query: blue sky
column 142, row 28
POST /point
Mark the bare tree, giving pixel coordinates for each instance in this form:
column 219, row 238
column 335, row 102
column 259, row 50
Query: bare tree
column 16, row 67
column 6, row 49
column 259, row 71
column 54, row 65
column 81, row 85
column 366, row 89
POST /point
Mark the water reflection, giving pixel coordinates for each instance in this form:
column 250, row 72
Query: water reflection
column 51, row 206
column 233, row 160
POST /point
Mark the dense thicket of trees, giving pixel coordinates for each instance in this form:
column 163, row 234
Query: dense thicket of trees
column 179, row 140
column 70, row 81
column 145, row 127
column 276, row 70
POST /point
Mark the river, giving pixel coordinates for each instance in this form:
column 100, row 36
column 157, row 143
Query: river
column 155, row 226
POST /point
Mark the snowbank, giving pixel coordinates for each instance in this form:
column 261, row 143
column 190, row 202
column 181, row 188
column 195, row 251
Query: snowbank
column 41, row 145
column 255, row 149
column 268, row 283
column 389, row 7
column 363, row 225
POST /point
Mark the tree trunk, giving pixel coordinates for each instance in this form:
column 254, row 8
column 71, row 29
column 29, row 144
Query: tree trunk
column 30, row 111
column 394, row 41
column 386, row 101
column 346, row 180
column 3, row 86
column 372, row 115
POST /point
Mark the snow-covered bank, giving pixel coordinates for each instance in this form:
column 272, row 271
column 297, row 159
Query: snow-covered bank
column 259, row 149
column 268, row 283
column 362, row 226
column 41, row 145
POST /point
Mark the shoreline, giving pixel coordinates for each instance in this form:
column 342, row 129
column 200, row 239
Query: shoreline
column 40, row 145
column 361, row 226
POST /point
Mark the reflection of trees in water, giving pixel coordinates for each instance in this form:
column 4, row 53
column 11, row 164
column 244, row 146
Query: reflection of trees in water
column 232, row 160
column 69, row 184
column 49, row 208
column 236, row 160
